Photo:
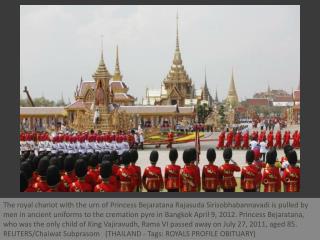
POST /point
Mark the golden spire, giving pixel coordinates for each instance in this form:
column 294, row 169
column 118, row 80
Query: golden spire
column 177, row 55
column 117, row 74
column 177, row 37
column 102, row 69
column 232, row 98
column 101, row 59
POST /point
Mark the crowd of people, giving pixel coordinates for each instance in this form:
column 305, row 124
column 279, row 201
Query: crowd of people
column 111, row 172
column 239, row 140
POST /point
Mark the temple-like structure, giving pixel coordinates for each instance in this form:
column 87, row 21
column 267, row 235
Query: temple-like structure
column 177, row 87
column 99, row 98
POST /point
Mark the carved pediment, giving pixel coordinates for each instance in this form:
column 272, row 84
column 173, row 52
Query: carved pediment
column 175, row 93
column 89, row 96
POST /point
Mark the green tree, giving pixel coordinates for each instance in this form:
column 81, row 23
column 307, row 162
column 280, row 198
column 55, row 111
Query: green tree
column 43, row 102
column 203, row 112
column 222, row 115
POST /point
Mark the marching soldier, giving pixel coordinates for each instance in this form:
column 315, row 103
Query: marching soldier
column 53, row 179
column 187, row 177
column 210, row 173
column 136, row 170
column 228, row 181
column 237, row 140
column 278, row 139
column 81, row 171
column 259, row 166
column 125, row 175
column 170, row 139
column 249, row 174
column 286, row 138
column 270, row 140
column 229, row 139
column 291, row 175
column 152, row 178
column 196, row 169
column 296, row 140
column 105, row 173
column 26, row 169
column 41, row 184
column 271, row 178
column 92, row 173
column 171, row 174
column 245, row 144
column 69, row 175
column 221, row 140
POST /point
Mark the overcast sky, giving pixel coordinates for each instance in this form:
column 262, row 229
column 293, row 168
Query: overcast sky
column 59, row 44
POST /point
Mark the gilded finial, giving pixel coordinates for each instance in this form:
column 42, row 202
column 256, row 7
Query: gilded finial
column 101, row 47
column 177, row 38
column 117, row 74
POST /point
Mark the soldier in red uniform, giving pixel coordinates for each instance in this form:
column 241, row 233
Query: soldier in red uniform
column 237, row 140
column 105, row 173
column 69, row 175
column 53, row 179
column 259, row 166
column 93, row 172
column 261, row 136
column 286, row 138
column 187, row 176
column 41, row 183
column 210, row 173
column 171, row 173
column 136, row 170
column 291, row 175
column 26, row 169
column 114, row 159
column 221, row 140
column 249, row 174
column 295, row 137
column 193, row 153
column 254, row 135
column 228, row 181
column 170, row 139
column 271, row 178
column 125, row 175
column 23, row 182
column 229, row 139
column 278, row 139
column 270, row 140
column 245, row 144
column 81, row 171
column 152, row 178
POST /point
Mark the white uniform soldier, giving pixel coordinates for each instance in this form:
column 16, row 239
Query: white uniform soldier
column 82, row 145
column 99, row 144
column 47, row 144
column 106, row 147
column 119, row 145
column 54, row 145
column 91, row 144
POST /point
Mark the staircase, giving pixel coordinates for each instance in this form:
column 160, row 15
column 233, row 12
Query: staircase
column 103, row 122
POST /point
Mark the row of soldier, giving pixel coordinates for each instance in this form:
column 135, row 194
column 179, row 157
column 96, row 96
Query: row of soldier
column 108, row 172
column 79, row 143
column 242, row 141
